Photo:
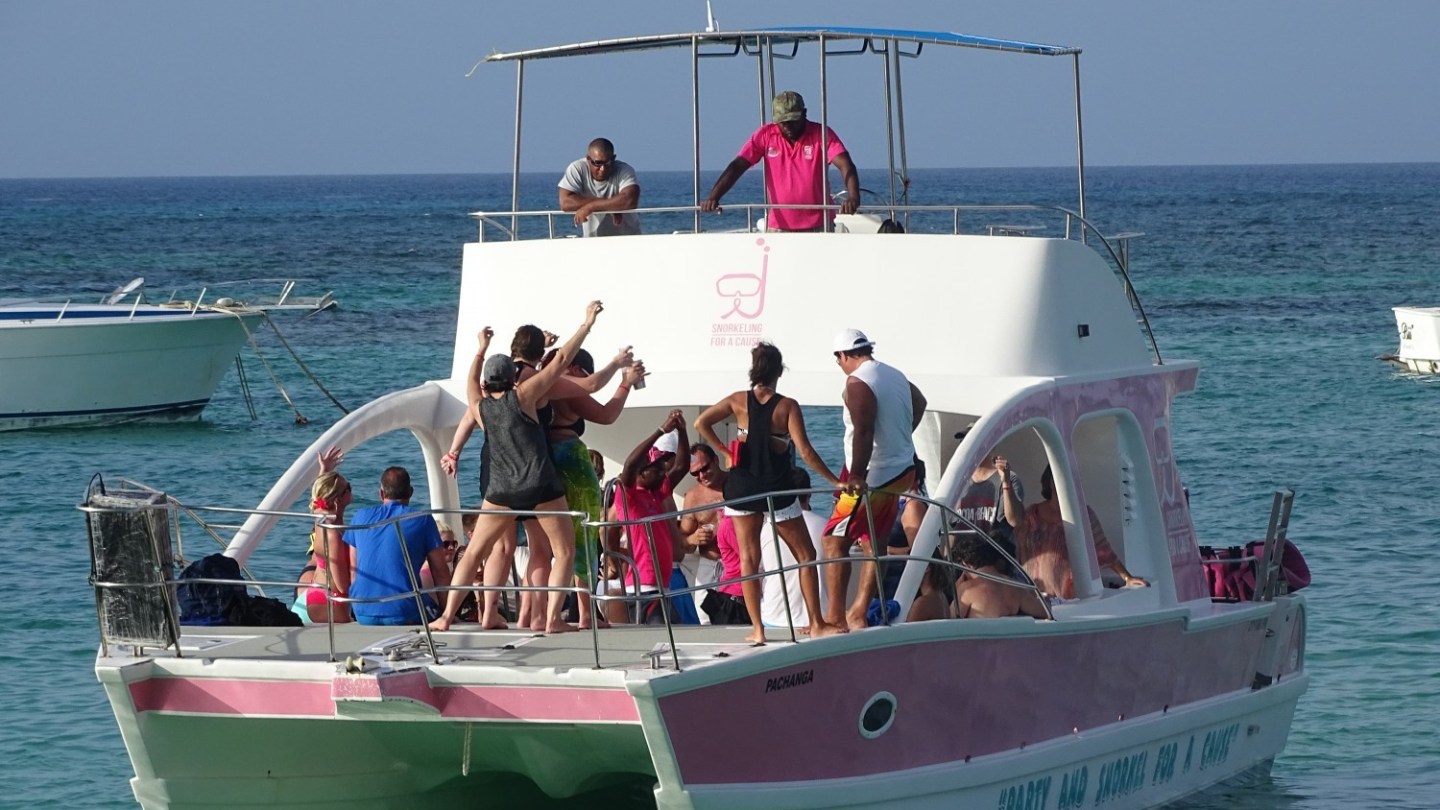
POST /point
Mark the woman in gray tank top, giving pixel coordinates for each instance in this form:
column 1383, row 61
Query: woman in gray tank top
column 517, row 468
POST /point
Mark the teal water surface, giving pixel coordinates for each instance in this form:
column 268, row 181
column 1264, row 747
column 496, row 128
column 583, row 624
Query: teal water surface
column 1278, row 279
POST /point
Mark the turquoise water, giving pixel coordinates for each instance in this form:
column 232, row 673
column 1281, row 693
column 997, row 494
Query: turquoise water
column 1278, row 279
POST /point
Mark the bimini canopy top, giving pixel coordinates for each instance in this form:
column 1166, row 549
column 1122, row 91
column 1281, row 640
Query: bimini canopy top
column 769, row 44
column 749, row 42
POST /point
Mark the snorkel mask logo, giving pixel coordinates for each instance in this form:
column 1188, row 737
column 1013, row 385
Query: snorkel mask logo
column 746, row 291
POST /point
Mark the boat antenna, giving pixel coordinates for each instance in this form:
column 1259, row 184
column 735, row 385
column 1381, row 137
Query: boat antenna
column 711, row 24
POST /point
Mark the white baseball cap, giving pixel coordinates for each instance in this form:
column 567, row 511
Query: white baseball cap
column 848, row 340
column 668, row 442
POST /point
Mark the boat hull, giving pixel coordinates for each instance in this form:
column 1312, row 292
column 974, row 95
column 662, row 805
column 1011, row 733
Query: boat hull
column 1169, row 707
column 985, row 716
column 1148, row 762
column 87, row 370
column 288, row 763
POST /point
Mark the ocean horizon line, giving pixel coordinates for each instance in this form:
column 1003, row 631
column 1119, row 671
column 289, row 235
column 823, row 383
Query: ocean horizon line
column 715, row 171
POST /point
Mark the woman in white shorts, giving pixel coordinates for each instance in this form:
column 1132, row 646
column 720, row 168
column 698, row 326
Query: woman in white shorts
column 760, row 463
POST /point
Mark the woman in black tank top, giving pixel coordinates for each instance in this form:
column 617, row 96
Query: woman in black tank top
column 760, row 463
column 525, row 479
column 568, row 403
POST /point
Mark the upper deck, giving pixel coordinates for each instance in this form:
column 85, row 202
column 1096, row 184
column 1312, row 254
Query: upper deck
column 1007, row 294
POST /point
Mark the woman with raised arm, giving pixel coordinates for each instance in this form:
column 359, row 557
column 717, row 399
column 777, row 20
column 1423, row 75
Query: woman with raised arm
column 567, row 404
column 516, row 470
column 769, row 424
column 573, row 464
column 329, row 567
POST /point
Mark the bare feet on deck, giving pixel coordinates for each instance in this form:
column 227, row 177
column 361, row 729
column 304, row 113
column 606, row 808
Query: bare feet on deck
column 559, row 627
column 855, row 621
column 756, row 637
column 825, row 629
column 496, row 622
column 440, row 625
column 601, row 622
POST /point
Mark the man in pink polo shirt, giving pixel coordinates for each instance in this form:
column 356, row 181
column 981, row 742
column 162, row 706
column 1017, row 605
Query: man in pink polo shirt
column 794, row 172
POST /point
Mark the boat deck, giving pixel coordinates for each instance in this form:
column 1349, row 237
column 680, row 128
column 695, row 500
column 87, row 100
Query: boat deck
column 634, row 649
column 630, row 647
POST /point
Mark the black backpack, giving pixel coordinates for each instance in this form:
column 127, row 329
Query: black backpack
column 205, row 603
column 211, row 604
column 262, row 611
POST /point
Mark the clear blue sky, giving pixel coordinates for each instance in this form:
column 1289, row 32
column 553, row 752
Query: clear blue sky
column 98, row 88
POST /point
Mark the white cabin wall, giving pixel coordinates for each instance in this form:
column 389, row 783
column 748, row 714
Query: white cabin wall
column 693, row 304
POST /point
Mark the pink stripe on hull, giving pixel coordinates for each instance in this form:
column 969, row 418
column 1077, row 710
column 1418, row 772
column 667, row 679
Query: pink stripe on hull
column 954, row 699
column 539, row 703
column 230, row 696
column 318, row 698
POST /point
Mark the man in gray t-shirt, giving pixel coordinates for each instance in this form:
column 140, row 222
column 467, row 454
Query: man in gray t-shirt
column 596, row 184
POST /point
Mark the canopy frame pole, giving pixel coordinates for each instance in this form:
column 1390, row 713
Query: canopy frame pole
column 900, row 132
column 765, row 98
column 515, row 162
column 824, row 138
column 695, row 122
column 1079, row 143
column 890, row 45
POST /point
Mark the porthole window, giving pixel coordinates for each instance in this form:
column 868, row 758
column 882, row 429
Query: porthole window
column 877, row 716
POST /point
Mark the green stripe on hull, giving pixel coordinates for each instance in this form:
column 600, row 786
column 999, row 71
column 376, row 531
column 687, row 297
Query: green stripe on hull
column 207, row 761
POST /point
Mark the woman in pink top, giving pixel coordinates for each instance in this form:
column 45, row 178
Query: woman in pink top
column 725, row 604
column 329, row 569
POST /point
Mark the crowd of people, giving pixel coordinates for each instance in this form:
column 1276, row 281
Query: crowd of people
column 534, row 407
column 537, row 477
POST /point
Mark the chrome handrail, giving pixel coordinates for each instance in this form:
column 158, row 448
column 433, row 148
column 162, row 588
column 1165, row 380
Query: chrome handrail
column 949, row 518
column 498, row 219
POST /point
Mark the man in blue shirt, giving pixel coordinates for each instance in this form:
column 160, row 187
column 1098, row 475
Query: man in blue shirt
column 382, row 568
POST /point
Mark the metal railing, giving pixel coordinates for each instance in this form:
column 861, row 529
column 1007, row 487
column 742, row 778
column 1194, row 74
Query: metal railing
column 948, row 521
column 560, row 224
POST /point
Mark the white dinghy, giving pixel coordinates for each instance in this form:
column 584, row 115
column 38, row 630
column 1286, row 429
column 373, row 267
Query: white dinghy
column 123, row 358
column 1419, row 329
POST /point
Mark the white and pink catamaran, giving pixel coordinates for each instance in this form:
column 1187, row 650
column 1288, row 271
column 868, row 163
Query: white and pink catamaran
column 1127, row 697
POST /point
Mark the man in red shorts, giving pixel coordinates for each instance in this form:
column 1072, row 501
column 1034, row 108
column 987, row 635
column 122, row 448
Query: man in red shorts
column 882, row 410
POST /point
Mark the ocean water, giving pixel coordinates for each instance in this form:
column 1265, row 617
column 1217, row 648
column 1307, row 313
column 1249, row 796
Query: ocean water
column 1279, row 279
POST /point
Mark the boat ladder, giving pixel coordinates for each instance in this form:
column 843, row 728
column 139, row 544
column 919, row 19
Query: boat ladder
column 1269, row 579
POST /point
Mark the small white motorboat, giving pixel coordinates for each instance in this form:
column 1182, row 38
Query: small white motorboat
column 1121, row 698
column 123, row 359
column 1419, row 329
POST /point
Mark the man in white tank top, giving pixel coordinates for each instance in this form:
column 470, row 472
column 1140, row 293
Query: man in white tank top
column 882, row 410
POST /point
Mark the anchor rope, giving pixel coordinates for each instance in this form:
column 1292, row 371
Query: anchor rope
column 299, row 417
column 301, row 363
